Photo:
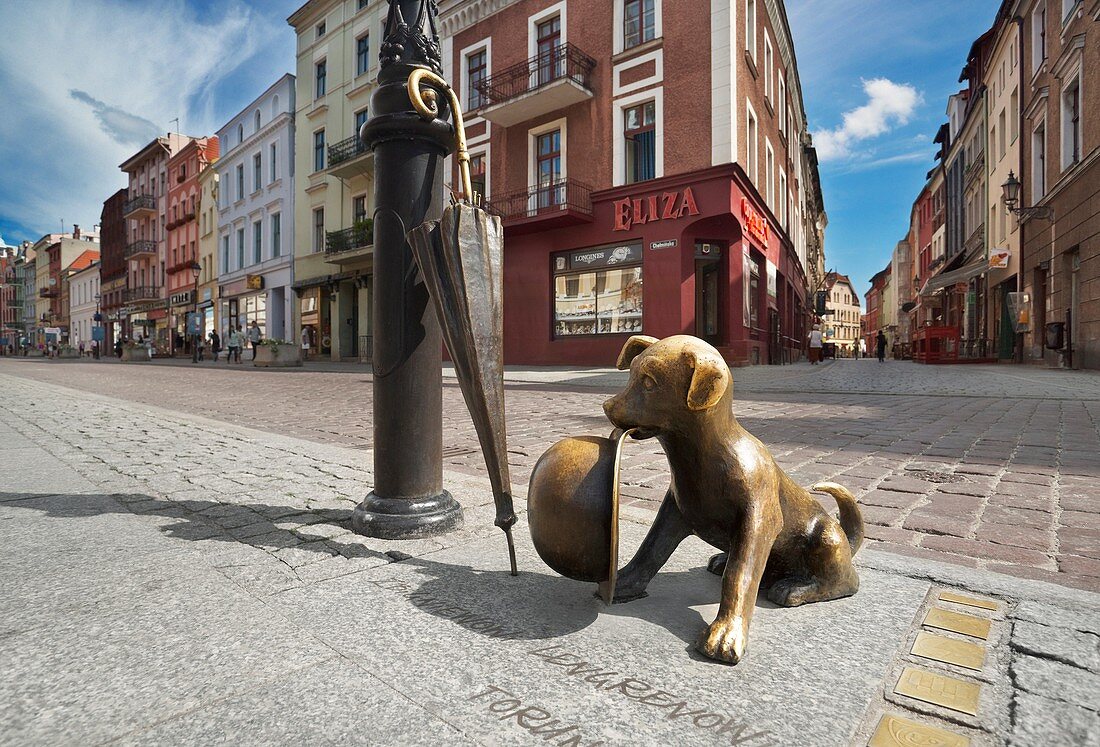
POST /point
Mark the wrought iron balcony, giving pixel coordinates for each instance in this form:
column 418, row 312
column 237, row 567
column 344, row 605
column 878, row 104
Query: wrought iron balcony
column 142, row 293
column 349, row 157
column 348, row 239
column 139, row 204
column 560, row 203
column 547, row 82
column 140, row 249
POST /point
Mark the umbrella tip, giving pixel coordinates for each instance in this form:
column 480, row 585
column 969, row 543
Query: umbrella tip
column 511, row 550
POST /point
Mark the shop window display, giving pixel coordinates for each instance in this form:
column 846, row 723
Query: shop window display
column 606, row 299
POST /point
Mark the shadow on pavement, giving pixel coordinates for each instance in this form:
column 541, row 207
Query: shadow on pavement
column 535, row 605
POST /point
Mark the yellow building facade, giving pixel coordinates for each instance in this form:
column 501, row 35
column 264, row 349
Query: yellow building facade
column 337, row 64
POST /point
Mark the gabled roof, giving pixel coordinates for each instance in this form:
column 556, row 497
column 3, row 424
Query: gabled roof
column 84, row 261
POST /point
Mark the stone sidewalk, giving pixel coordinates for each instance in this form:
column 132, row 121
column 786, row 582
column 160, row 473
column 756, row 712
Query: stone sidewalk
column 172, row 579
column 1005, row 478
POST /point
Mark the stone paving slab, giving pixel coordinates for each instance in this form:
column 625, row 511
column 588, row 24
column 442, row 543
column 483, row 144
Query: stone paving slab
column 135, row 615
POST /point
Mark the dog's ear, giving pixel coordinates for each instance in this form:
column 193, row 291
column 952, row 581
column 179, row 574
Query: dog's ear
column 709, row 381
column 635, row 345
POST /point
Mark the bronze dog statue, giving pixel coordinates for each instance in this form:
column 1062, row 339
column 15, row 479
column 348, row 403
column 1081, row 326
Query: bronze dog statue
column 727, row 490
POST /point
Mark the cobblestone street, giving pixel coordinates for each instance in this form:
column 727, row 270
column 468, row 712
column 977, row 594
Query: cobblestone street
column 984, row 466
column 170, row 578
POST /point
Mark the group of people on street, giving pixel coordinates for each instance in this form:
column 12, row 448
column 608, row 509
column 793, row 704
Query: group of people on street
column 817, row 343
column 235, row 341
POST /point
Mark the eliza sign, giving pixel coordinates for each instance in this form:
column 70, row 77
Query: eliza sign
column 635, row 211
column 756, row 223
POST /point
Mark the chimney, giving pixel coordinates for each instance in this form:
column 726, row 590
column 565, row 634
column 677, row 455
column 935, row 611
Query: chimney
column 76, row 231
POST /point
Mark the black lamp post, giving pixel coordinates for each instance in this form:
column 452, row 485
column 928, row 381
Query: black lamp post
column 408, row 499
column 1010, row 194
column 196, row 270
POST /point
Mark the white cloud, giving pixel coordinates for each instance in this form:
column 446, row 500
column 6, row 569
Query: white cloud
column 83, row 82
column 889, row 105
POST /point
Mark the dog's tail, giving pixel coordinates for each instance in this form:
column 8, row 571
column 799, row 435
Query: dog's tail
column 851, row 520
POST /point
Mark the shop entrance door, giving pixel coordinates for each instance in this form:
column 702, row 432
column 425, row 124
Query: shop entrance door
column 708, row 291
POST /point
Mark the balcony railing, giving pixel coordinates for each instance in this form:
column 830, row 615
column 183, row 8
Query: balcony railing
column 561, row 62
column 139, row 248
column 139, row 203
column 48, row 293
column 560, row 76
column 141, row 293
column 563, row 195
column 348, row 239
column 346, row 150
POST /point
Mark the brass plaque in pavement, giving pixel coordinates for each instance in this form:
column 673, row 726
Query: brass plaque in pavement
column 938, row 689
column 957, row 622
column 950, row 596
column 949, row 650
column 894, row 731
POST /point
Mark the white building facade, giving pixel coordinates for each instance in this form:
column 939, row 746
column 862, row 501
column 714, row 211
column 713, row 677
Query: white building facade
column 83, row 304
column 255, row 251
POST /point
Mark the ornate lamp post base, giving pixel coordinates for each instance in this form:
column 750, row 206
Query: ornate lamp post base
column 387, row 518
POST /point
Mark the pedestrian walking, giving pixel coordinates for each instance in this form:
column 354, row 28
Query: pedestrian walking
column 254, row 337
column 215, row 344
column 880, row 345
column 196, row 348
column 305, row 342
column 234, row 345
column 815, row 345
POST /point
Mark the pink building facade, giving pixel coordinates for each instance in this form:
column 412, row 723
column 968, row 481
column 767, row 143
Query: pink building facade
column 182, row 233
column 144, row 310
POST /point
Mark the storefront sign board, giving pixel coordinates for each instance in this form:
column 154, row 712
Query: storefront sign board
column 666, row 244
column 755, row 223
column 998, row 258
column 636, row 211
column 602, row 256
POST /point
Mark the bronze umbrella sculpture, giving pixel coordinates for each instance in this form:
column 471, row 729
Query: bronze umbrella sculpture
column 460, row 257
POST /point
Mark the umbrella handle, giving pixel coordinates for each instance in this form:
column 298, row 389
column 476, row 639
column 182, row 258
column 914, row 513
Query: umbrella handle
column 427, row 107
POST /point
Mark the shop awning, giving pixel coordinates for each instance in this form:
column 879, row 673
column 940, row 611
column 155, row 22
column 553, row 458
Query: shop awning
column 975, row 265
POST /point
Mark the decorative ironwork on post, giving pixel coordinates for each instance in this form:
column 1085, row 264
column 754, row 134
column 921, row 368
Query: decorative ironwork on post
column 408, row 499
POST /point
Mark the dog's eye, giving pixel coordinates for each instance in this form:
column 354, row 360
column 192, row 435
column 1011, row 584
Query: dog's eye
column 649, row 383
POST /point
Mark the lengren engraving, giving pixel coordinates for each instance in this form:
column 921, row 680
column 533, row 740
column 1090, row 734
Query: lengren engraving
column 675, row 708
column 894, row 731
column 938, row 689
column 985, row 604
column 957, row 622
column 949, row 650
column 505, row 706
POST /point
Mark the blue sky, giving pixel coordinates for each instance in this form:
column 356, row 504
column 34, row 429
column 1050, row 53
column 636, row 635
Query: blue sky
column 84, row 83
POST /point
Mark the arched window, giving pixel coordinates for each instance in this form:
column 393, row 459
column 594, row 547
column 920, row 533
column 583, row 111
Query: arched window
column 257, row 120
column 240, row 134
column 275, row 106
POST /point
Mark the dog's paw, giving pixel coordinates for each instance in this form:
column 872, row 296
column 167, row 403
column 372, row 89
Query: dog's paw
column 725, row 640
column 790, row 592
column 717, row 563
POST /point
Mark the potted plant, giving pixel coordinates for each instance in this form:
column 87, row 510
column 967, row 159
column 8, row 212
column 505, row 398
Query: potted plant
column 133, row 352
column 274, row 353
column 363, row 233
column 67, row 351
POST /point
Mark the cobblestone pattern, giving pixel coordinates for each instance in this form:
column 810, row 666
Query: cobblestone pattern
column 1007, row 483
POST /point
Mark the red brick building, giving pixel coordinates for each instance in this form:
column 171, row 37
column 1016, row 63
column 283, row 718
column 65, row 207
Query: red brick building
column 651, row 163
column 113, row 265
column 183, row 231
